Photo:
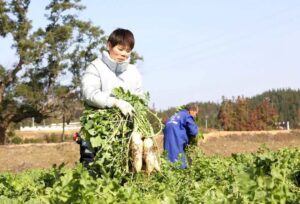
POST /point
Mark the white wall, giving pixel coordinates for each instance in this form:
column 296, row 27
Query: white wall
column 57, row 126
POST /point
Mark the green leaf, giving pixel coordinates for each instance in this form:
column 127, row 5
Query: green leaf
column 96, row 141
column 89, row 124
column 92, row 132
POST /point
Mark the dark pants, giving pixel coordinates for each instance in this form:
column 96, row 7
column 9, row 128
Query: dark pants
column 86, row 155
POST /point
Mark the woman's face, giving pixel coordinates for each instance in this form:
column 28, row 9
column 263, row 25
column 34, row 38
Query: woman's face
column 119, row 53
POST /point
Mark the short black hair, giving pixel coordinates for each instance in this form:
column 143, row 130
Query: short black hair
column 121, row 36
column 192, row 107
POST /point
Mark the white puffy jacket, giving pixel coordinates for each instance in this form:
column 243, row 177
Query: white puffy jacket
column 103, row 75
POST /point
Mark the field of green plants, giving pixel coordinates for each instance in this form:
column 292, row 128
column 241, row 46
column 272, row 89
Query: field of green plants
column 263, row 177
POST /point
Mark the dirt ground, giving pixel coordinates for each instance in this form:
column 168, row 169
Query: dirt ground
column 227, row 143
column 14, row 158
column 21, row 157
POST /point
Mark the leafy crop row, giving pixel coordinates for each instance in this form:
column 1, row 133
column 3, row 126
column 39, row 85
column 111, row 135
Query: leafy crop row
column 263, row 177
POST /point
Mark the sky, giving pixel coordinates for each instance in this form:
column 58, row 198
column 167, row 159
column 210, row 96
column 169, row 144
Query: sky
column 199, row 51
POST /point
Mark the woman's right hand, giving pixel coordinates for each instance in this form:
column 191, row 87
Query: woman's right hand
column 125, row 107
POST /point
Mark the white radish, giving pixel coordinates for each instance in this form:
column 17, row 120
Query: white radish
column 149, row 156
column 137, row 151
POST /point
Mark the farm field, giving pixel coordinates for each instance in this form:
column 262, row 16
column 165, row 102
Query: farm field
column 213, row 177
column 226, row 143
column 15, row 158
column 44, row 155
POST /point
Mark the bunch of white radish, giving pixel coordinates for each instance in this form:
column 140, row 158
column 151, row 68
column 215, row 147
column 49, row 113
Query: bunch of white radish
column 143, row 152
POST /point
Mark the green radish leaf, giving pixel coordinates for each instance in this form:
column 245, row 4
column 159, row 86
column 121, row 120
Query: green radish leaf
column 96, row 141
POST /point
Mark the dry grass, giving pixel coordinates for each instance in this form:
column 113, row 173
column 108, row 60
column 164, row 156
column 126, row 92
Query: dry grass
column 217, row 134
column 227, row 143
column 21, row 157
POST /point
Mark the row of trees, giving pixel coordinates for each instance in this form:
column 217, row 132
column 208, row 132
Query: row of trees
column 285, row 101
column 261, row 112
column 238, row 115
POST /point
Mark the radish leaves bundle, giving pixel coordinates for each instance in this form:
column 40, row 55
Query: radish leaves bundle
column 108, row 132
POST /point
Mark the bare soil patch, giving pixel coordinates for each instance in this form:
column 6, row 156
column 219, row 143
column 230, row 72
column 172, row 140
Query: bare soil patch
column 227, row 143
column 21, row 157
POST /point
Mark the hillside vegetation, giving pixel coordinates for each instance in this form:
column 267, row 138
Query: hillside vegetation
column 260, row 112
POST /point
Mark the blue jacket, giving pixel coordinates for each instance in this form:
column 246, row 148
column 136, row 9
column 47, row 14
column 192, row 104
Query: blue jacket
column 177, row 131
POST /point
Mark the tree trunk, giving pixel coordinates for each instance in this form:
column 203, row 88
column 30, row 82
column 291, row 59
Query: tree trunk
column 2, row 135
column 63, row 129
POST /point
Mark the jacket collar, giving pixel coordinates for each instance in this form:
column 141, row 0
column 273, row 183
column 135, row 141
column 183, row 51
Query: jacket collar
column 116, row 67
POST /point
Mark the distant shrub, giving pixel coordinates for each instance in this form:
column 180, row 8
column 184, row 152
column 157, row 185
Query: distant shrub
column 68, row 138
column 33, row 140
column 52, row 138
column 16, row 140
column 10, row 134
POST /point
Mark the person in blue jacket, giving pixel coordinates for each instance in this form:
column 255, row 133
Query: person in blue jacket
column 177, row 131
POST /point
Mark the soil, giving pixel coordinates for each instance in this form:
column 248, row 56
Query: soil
column 227, row 143
column 15, row 158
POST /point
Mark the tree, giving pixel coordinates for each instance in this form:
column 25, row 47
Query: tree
column 134, row 57
column 237, row 115
column 63, row 47
column 286, row 101
column 66, row 106
column 226, row 114
column 242, row 114
column 267, row 115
